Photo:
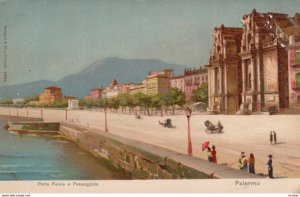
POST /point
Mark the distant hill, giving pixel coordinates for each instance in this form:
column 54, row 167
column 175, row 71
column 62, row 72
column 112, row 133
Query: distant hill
column 23, row 90
column 99, row 73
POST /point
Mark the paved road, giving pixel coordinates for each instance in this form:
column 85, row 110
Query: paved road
column 242, row 133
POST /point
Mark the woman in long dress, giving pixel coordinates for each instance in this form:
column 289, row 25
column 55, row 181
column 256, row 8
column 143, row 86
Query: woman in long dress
column 251, row 164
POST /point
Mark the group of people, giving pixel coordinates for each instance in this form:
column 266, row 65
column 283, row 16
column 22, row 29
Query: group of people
column 244, row 163
column 273, row 137
column 212, row 154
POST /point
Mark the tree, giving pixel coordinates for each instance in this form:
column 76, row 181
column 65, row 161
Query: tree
column 174, row 97
column 31, row 98
column 6, row 102
column 201, row 94
column 104, row 102
column 157, row 101
column 113, row 103
column 145, row 102
column 142, row 100
column 125, row 100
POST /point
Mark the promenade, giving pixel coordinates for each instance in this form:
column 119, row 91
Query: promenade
column 241, row 133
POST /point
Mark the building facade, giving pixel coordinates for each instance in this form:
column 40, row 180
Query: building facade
column 158, row 82
column 112, row 90
column 96, row 93
column 51, row 94
column 177, row 82
column 193, row 79
column 294, row 71
column 138, row 88
column 127, row 87
column 224, row 71
column 264, row 61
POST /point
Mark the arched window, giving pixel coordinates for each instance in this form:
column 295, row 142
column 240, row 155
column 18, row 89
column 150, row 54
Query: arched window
column 298, row 80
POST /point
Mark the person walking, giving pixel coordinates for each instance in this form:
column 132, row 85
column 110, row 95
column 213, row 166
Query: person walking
column 251, row 164
column 209, row 154
column 271, row 137
column 243, row 162
column 275, row 137
column 214, row 154
column 270, row 167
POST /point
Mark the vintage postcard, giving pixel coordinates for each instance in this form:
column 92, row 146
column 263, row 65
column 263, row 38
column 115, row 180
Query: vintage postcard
column 105, row 96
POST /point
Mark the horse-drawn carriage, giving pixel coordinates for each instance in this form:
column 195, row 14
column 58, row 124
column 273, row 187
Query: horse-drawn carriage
column 167, row 123
column 211, row 128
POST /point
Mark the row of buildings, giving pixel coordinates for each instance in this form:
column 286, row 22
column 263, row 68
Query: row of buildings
column 154, row 83
column 255, row 67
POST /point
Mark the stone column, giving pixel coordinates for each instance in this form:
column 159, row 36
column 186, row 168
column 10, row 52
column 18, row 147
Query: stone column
column 243, row 78
column 220, row 79
column 225, row 88
column 258, row 76
column 225, row 79
column 214, row 80
column 252, row 74
column 209, row 86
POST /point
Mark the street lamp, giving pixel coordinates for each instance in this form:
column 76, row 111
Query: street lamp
column 105, row 109
column 188, row 112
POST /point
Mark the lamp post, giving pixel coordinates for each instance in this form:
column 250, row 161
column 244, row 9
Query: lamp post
column 188, row 112
column 66, row 114
column 41, row 113
column 105, row 109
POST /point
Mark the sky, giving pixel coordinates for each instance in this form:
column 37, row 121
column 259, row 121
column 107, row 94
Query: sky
column 50, row 39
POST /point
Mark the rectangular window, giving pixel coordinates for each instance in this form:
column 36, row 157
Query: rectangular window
column 298, row 80
column 297, row 57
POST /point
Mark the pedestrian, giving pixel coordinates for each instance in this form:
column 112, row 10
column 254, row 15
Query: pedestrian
column 251, row 164
column 214, row 154
column 275, row 137
column 243, row 162
column 209, row 154
column 271, row 137
column 270, row 167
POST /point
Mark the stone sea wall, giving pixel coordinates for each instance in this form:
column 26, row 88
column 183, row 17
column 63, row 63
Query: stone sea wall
column 122, row 153
column 139, row 159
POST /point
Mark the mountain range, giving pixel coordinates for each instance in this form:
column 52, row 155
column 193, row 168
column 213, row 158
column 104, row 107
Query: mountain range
column 99, row 73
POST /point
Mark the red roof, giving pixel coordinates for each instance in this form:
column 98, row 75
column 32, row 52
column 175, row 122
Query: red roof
column 53, row 88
